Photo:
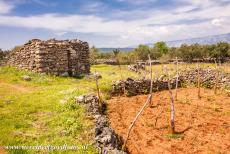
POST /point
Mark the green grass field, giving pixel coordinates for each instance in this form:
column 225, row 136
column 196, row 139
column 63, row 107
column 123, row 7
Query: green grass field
column 43, row 111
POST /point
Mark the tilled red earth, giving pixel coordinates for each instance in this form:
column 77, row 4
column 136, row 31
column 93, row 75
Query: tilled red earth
column 203, row 125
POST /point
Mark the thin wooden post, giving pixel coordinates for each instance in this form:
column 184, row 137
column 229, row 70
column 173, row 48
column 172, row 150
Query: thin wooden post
column 177, row 77
column 96, row 77
column 142, row 109
column 198, row 80
column 172, row 107
column 216, row 79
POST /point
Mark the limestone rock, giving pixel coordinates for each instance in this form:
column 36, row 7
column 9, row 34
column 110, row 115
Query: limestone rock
column 26, row 78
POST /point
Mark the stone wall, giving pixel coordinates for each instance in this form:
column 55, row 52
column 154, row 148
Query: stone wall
column 131, row 87
column 53, row 56
column 106, row 140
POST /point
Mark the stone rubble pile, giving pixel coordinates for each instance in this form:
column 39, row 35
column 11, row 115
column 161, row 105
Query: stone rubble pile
column 52, row 56
column 207, row 77
column 106, row 140
column 136, row 67
column 26, row 78
column 131, row 87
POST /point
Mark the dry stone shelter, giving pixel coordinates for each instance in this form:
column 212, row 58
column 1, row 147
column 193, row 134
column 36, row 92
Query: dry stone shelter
column 56, row 57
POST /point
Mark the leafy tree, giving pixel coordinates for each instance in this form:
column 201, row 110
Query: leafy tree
column 1, row 54
column 220, row 51
column 116, row 52
column 142, row 52
column 173, row 52
column 162, row 46
column 184, row 52
column 16, row 48
column 155, row 53
column 94, row 53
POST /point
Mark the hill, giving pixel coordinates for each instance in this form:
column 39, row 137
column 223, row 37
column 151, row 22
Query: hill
column 176, row 43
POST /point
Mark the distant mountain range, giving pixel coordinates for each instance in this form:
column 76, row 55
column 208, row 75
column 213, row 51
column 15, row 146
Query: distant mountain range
column 202, row 40
column 176, row 43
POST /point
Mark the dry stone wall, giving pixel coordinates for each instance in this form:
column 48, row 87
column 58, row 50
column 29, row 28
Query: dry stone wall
column 56, row 57
column 131, row 87
column 106, row 140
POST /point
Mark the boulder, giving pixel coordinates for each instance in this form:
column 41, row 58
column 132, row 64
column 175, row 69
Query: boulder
column 26, row 78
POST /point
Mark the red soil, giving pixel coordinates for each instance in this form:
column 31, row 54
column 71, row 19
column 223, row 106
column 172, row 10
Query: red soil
column 205, row 122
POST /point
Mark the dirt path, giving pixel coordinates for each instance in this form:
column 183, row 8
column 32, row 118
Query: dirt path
column 206, row 130
column 3, row 151
column 15, row 87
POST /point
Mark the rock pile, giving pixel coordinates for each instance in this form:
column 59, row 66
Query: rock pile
column 207, row 77
column 106, row 140
column 136, row 67
column 26, row 78
column 52, row 56
column 131, row 87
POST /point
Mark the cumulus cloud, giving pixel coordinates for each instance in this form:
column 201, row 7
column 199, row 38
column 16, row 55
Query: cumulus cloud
column 137, row 2
column 156, row 25
column 5, row 7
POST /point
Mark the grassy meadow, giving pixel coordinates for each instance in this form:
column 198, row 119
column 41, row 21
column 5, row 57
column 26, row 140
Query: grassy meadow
column 43, row 111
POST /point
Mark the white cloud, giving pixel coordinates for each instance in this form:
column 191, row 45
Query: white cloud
column 155, row 26
column 137, row 2
column 5, row 7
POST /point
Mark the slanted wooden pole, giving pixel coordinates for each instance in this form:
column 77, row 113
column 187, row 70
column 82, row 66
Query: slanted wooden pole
column 142, row 109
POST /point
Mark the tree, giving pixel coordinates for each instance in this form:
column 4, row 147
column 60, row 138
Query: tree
column 94, row 54
column 1, row 54
column 142, row 52
column 162, row 46
column 16, row 48
column 220, row 51
column 184, row 52
column 116, row 52
column 173, row 52
column 155, row 53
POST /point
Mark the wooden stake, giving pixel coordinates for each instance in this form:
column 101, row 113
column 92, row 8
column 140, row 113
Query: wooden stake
column 216, row 79
column 172, row 108
column 177, row 76
column 198, row 80
column 142, row 109
column 98, row 93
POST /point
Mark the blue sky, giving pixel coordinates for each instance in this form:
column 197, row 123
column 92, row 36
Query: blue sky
column 111, row 23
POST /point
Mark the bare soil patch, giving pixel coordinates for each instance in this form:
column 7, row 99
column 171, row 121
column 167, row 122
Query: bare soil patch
column 203, row 125
column 15, row 87
column 2, row 151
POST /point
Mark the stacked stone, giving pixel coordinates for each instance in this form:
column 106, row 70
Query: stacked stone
column 136, row 67
column 53, row 56
column 106, row 140
column 131, row 87
column 207, row 77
